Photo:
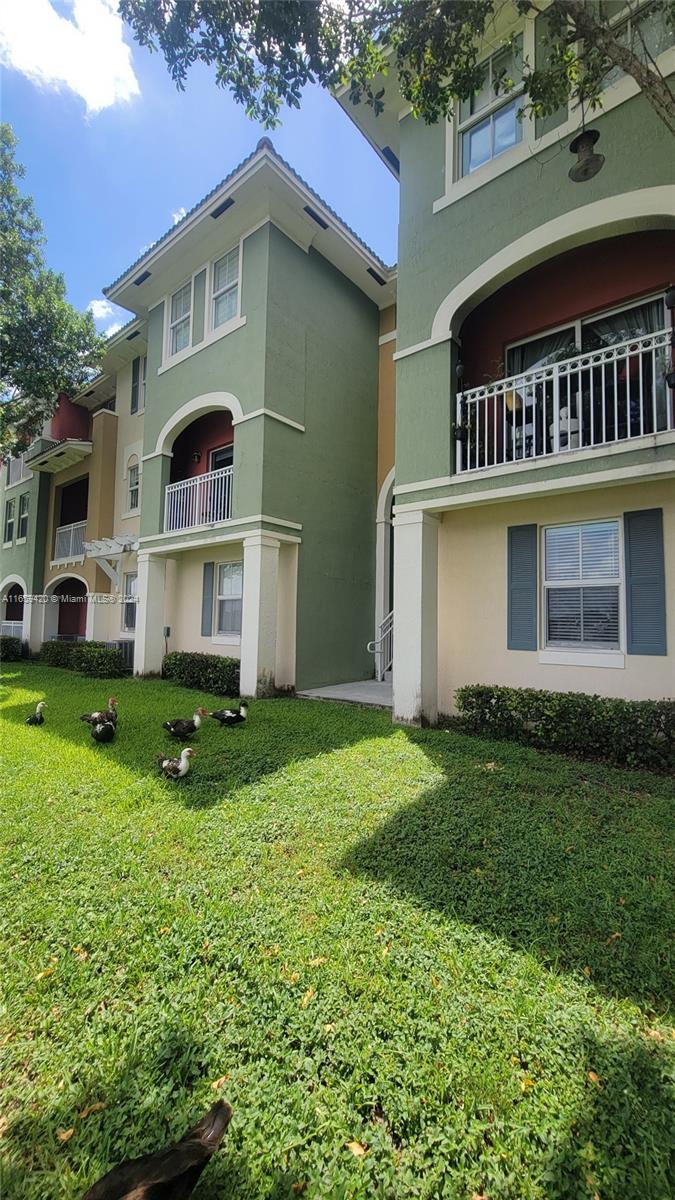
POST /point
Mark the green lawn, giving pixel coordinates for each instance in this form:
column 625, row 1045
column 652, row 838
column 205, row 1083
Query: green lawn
column 451, row 953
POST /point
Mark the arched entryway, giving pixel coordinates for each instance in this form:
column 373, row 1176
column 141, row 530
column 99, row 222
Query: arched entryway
column 12, row 616
column 66, row 612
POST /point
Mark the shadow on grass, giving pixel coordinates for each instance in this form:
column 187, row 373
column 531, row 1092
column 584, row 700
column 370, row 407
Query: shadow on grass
column 619, row 1143
column 154, row 1096
column 566, row 861
column 276, row 734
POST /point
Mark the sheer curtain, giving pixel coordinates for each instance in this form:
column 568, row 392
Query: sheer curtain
column 620, row 327
column 540, row 351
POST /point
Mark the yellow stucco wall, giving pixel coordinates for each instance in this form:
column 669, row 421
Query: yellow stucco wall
column 386, row 399
column 183, row 603
column 473, row 597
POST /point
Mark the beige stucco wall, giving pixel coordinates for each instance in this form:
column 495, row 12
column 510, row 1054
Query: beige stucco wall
column 386, row 398
column 183, row 599
column 129, row 442
column 473, row 597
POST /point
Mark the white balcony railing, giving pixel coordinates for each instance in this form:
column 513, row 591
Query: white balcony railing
column 592, row 400
column 69, row 542
column 11, row 628
column 202, row 500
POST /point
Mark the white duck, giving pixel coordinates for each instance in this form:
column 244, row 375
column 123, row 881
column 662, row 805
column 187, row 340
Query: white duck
column 176, row 768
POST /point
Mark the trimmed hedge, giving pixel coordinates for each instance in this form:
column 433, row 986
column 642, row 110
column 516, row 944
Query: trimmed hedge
column 207, row 672
column 90, row 658
column 10, row 649
column 635, row 733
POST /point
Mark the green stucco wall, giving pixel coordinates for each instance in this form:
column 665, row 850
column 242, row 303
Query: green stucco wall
column 321, row 370
column 438, row 250
column 27, row 560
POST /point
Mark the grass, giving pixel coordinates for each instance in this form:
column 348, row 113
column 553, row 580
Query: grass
column 451, row 953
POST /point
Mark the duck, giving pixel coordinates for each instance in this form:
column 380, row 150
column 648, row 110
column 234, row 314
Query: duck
column 171, row 1173
column 183, row 727
column 38, row 717
column 106, row 714
column 176, row 768
column 231, row 716
column 103, row 731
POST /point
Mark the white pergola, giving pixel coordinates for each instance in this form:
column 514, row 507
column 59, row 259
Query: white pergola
column 108, row 552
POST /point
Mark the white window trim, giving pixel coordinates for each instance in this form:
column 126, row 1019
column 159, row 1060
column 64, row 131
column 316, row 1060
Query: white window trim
column 168, row 324
column 127, row 473
column 579, row 656
column 6, row 542
column 576, row 324
column 124, row 628
column 211, row 335
column 457, row 186
column 488, row 111
column 214, row 330
column 231, row 638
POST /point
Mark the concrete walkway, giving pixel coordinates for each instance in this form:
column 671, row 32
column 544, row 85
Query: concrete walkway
column 365, row 691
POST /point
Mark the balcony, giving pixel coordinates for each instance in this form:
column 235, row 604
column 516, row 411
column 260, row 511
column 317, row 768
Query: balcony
column 603, row 397
column 50, row 456
column 69, row 542
column 202, row 500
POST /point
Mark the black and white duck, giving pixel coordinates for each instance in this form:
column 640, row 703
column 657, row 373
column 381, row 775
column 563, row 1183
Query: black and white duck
column 171, row 1173
column 103, row 731
column 231, row 716
column 184, row 727
column 106, row 714
column 38, row 717
column 176, row 768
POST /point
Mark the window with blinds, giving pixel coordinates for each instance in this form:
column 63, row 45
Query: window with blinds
column 228, row 597
column 582, row 579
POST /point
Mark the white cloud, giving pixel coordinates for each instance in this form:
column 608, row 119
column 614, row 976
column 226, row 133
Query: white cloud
column 109, row 317
column 86, row 54
column 177, row 216
column 100, row 309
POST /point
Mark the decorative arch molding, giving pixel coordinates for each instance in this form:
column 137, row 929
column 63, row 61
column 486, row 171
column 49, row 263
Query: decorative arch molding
column 49, row 587
column 198, row 407
column 385, row 497
column 383, row 599
column 9, row 582
column 649, row 208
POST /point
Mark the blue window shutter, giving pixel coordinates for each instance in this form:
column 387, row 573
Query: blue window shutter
column 522, row 587
column 207, row 600
column 645, row 581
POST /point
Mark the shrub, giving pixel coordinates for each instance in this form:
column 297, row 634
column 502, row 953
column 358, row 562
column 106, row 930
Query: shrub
column 207, row 672
column 10, row 649
column 90, row 658
column 636, row 733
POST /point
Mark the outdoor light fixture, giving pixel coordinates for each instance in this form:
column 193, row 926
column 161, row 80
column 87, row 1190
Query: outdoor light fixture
column 196, row 456
column 588, row 163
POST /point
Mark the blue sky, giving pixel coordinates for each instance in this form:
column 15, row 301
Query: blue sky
column 108, row 173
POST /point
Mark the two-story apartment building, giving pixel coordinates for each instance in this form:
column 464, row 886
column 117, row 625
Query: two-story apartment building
column 214, row 488
column 535, row 420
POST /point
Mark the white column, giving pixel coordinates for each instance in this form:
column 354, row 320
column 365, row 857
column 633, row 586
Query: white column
column 415, row 673
column 259, row 615
column 149, row 647
column 98, row 617
column 33, row 620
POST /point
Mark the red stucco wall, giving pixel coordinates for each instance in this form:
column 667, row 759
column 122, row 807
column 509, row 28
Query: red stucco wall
column 70, row 421
column 205, row 434
column 582, row 281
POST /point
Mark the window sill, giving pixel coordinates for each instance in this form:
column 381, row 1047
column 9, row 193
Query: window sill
column 133, row 512
column 21, row 541
column 227, row 639
column 208, row 340
column 6, row 545
column 583, row 658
